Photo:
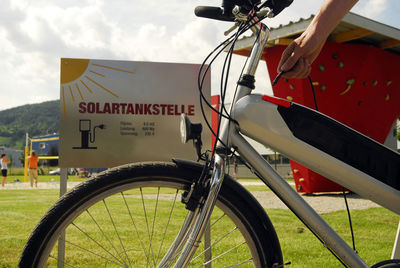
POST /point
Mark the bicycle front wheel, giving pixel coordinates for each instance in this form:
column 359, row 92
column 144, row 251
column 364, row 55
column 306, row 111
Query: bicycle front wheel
column 130, row 215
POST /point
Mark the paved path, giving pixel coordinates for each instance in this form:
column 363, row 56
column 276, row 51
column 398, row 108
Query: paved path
column 322, row 203
column 41, row 185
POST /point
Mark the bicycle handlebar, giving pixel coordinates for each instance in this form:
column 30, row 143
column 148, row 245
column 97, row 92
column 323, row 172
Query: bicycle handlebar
column 215, row 13
column 277, row 5
column 224, row 13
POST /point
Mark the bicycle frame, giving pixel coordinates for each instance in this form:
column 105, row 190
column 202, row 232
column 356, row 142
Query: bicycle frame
column 261, row 120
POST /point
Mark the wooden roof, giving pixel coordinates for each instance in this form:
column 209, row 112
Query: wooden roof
column 352, row 29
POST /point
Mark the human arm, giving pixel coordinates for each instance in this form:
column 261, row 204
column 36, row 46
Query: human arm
column 5, row 160
column 297, row 58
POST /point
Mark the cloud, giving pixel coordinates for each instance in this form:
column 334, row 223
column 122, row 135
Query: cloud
column 373, row 8
column 34, row 35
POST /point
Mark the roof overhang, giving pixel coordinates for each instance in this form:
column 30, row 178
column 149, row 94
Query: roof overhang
column 352, row 29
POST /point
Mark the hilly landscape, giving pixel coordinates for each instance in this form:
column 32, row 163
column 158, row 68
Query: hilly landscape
column 35, row 119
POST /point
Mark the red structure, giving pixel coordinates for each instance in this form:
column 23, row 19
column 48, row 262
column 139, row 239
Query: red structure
column 215, row 102
column 358, row 85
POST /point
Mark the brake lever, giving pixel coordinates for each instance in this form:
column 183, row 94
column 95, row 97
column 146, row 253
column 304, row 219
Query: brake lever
column 227, row 32
column 265, row 12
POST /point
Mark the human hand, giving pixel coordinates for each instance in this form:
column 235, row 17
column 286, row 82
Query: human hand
column 297, row 58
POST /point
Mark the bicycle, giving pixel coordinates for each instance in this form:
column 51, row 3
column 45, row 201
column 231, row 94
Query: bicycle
column 85, row 218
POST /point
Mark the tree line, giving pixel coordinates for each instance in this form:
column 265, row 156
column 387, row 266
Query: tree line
column 35, row 119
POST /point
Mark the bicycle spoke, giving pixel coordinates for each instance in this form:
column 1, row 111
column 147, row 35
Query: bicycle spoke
column 91, row 238
column 147, row 225
column 105, row 236
column 64, row 263
column 154, row 221
column 94, row 253
column 116, row 231
column 136, row 229
column 166, row 227
column 223, row 254
column 217, row 220
column 216, row 242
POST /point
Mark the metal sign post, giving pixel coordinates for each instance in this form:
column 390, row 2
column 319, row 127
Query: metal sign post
column 396, row 247
column 61, row 240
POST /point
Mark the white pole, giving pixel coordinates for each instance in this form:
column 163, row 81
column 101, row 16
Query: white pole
column 396, row 247
column 61, row 240
column 207, row 245
column 63, row 181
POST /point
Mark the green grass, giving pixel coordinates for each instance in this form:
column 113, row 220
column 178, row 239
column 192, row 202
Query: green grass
column 374, row 231
column 19, row 213
column 374, row 228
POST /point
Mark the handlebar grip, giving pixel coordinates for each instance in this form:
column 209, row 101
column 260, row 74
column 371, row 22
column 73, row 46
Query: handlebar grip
column 277, row 5
column 215, row 13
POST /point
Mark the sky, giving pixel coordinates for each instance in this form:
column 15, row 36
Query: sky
column 34, row 35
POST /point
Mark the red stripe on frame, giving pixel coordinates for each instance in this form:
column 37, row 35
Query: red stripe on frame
column 277, row 101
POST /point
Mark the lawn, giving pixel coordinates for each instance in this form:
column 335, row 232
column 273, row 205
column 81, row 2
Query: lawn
column 374, row 229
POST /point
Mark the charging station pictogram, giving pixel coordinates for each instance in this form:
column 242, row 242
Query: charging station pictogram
column 88, row 135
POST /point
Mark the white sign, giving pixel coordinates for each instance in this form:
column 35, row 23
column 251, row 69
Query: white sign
column 118, row 112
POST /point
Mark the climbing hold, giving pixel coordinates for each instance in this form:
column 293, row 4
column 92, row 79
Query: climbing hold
column 387, row 97
column 335, row 56
column 340, row 64
column 321, row 68
column 349, row 83
column 289, row 98
column 389, row 82
column 323, row 87
column 346, row 90
column 374, row 82
column 291, row 86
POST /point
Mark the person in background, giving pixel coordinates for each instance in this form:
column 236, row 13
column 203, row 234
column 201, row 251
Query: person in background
column 3, row 162
column 33, row 166
column 297, row 58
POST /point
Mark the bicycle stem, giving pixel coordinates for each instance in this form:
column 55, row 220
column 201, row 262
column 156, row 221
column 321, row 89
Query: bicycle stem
column 262, row 33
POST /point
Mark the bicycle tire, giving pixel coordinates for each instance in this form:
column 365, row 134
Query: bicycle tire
column 71, row 214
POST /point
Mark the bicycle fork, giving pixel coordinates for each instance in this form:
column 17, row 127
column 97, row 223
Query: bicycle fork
column 195, row 223
column 189, row 237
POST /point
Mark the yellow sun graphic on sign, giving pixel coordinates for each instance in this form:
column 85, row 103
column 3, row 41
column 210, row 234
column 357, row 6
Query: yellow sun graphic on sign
column 80, row 77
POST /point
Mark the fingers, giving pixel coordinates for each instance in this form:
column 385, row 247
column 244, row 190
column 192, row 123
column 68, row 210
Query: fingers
column 288, row 58
column 295, row 62
column 301, row 69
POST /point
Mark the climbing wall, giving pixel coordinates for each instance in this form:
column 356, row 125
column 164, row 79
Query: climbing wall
column 358, row 85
